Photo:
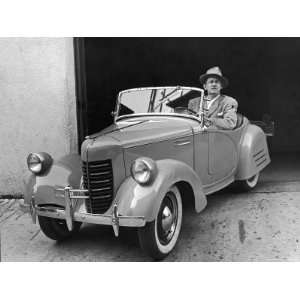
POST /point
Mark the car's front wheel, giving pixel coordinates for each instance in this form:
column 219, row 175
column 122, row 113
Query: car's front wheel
column 250, row 183
column 57, row 229
column 158, row 238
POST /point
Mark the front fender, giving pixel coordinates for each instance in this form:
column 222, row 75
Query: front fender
column 65, row 171
column 136, row 200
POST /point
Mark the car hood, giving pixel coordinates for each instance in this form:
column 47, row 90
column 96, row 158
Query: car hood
column 141, row 131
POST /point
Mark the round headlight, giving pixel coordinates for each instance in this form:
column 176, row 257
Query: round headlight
column 39, row 163
column 143, row 170
column 34, row 163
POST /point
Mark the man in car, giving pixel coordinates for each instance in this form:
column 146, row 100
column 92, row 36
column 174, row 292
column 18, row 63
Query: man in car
column 220, row 111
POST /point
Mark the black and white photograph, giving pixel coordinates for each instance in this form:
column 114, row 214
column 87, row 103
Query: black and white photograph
column 150, row 148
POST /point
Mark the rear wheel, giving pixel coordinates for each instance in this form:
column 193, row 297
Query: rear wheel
column 158, row 238
column 250, row 183
column 57, row 229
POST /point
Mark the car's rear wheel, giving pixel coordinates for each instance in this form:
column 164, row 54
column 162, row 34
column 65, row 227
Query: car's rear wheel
column 158, row 238
column 57, row 229
column 250, row 183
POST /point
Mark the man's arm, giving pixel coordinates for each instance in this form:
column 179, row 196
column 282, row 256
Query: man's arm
column 228, row 119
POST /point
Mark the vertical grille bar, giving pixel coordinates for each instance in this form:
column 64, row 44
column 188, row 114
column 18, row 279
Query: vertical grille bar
column 98, row 178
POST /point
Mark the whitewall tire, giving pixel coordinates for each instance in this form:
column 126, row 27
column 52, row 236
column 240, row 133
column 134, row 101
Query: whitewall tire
column 158, row 238
column 249, row 183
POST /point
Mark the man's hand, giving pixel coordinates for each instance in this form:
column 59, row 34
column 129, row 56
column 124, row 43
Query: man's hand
column 207, row 121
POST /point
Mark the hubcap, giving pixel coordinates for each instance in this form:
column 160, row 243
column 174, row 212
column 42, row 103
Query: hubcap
column 167, row 218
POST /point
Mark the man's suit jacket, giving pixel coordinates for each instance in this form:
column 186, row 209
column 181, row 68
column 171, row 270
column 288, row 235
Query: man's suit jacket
column 222, row 112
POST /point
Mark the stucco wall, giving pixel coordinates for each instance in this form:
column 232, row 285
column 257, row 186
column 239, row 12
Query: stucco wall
column 37, row 104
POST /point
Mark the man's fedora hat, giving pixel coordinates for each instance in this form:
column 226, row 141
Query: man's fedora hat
column 214, row 72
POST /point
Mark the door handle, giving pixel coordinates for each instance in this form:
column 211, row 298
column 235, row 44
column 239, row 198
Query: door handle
column 182, row 143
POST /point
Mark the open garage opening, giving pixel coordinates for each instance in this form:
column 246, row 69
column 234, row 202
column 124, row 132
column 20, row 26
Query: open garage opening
column 263, row 76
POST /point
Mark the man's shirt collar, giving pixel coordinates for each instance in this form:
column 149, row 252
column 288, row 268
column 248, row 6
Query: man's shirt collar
column 210, row 102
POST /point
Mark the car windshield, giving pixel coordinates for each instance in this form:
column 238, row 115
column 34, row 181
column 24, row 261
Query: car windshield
column 164, row 100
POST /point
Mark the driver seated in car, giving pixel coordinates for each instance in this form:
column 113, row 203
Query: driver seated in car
column 220, row 111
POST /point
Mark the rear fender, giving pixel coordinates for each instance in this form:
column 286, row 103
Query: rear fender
column 136, row 200
column 254, row 154
column 63, row 172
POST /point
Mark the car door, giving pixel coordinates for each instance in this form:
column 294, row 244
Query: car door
column 222, row 155
column 215, row 157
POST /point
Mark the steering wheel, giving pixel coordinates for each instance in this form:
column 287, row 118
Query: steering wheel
column 192, row 112
column 184, row 110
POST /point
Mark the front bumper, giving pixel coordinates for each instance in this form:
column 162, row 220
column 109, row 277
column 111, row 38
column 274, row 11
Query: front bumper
column 70, row 215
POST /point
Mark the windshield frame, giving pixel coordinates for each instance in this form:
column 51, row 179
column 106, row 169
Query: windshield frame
column 117, row 107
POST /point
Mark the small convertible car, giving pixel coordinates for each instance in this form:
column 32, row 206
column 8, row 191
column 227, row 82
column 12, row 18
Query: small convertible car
column 139, row 171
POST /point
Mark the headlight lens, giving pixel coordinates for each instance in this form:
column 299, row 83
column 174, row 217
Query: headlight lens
column 39, row 163
column 143, row 170
column 34, row 163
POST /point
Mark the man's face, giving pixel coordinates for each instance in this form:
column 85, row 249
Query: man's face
column 213, row 86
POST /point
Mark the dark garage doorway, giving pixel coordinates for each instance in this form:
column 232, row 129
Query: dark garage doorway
column 263, row 75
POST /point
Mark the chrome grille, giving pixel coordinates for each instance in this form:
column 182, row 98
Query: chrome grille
column 98, row 179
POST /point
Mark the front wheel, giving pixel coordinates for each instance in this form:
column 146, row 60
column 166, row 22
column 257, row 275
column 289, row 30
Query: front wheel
column 57, row 229
column 158, row 238
column 250, row 183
